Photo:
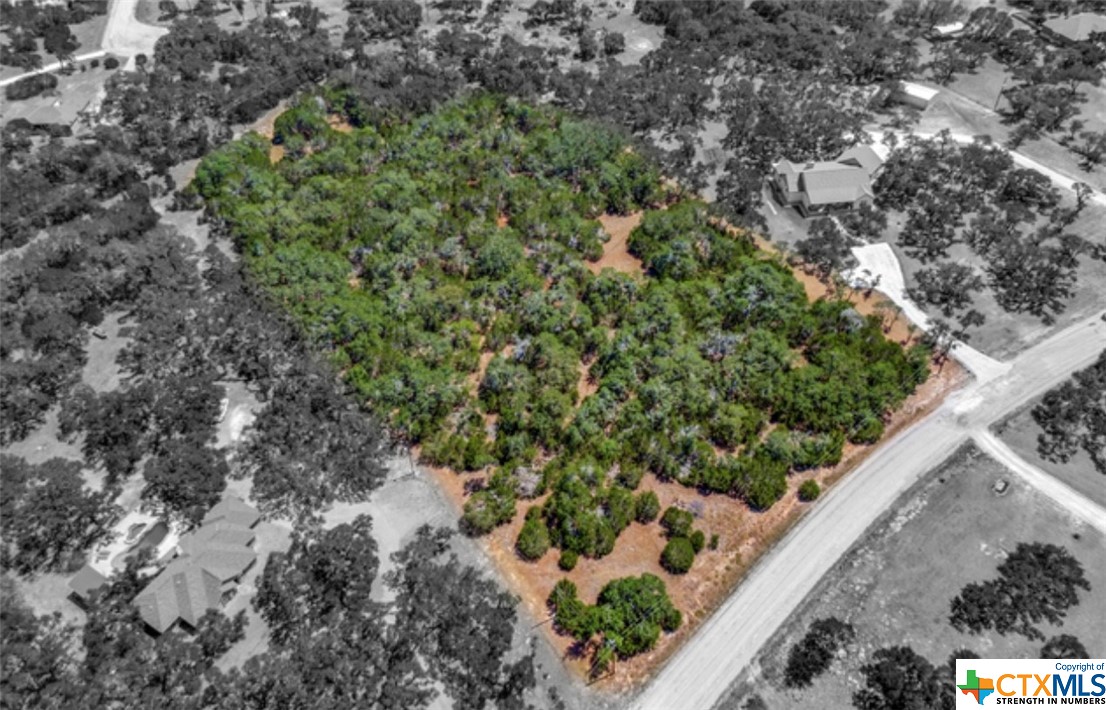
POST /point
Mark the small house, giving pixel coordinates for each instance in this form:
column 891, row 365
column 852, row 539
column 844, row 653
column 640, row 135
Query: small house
column 912, row 94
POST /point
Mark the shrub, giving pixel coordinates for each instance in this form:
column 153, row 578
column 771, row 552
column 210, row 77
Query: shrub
column 677, row 522
column 30, row 86
column 698, row 540
column 111, row 63
column 1064, row 646
column 614, row 43
column 647, row 507
column 678, row 555
column 809, row 490
column 588, row 47
column 533, row 539
column 567, row 560
column 713, row 542
column 94, row 63
column 811, row 656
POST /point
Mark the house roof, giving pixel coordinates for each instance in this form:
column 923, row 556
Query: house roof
column 1077, row 27
column 217, row 532
column 214, row 553
column 790, row 173
column 949, row 29
column 918, row 91
column 233, row 510
column 86, row 581
column 225, row 561
column 862, row 156
column 183, row 591
column 831, row 183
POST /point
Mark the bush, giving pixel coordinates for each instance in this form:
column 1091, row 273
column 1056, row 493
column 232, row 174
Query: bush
column 647, row 507
column 614, row 43
column 94, row 63
column 713, row 542
column 588, row 47
column 678, row 555
column 677, row 522
column 698, row 540
column 533, row 539
column 1064, row 646
column 811, row 656
column 568, row 560
column 809, row 490
column 30, row 86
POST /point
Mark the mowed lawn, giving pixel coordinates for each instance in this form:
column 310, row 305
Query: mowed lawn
column 895, row 585
column 1020, row 433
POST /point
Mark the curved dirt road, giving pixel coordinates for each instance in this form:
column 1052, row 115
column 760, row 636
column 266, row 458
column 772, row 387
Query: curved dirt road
column 697, row 676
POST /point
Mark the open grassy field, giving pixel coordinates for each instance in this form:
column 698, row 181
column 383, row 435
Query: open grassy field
column 1020, row 434
column 63, row 104
column 895, row 585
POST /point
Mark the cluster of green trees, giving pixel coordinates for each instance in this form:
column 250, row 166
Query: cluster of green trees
column 683, row 541
column 1070, row 417
column 627, row 618
column 813, row 653
column 1037, row 582
column 30, row 86
column 407, row 250
column 1011, row 217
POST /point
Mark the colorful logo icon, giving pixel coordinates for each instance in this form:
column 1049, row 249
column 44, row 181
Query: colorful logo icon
column 979, row 687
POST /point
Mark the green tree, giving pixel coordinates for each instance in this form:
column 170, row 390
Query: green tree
column 647, row 507
column 533, row 539
column 678, row 555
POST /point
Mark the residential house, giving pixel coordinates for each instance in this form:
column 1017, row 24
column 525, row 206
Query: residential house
column 1073, row 28
column 828, row 187
column 209, row 564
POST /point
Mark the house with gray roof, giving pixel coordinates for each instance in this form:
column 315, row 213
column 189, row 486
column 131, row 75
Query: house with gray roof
column 827, row 187
column 205, row 573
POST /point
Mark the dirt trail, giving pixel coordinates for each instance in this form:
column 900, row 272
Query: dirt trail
column 616, row 253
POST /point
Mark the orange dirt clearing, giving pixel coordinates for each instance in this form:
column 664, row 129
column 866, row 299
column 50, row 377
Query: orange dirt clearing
column 616, row 254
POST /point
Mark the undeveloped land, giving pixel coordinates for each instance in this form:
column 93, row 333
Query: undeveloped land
column 895, row 585
column 743, row 533
column 1020, row 433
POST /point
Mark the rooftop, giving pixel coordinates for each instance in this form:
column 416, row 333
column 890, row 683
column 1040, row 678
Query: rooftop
column 87, row 581
column 1077, row 27
column 233, row 510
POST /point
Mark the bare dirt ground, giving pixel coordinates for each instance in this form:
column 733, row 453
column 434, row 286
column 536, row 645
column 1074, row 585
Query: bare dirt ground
column 949, row 530
column 616, row 254
column 743, row 536
column 1020, row 433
